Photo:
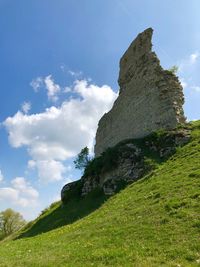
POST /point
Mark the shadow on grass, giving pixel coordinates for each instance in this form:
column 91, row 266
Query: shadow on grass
column 75, row 208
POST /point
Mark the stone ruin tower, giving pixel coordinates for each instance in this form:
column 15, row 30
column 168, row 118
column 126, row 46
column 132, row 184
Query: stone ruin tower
column 150, row 98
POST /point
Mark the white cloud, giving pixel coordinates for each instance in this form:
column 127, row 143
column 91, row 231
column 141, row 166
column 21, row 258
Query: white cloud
column 48, row 170
column 188, row 72
column 59, row 133
column 188, row 63
column 20, row 184
column 26, row 106
column 52, row 88
column 75, row 74
column 31, row 164
column 194, row 57
column 20, row 193
column 36, row 83
column 183, row 83
column 1, row 176
column 48, row 83
column 9, row 194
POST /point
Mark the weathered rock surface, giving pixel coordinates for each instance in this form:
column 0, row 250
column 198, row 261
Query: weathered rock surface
column 130, row 167
column 150, row 98
column 132, row 162
column 67, row 188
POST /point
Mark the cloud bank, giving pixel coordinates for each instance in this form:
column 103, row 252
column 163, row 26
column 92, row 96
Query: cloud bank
column 20, row 193
column 59, row 133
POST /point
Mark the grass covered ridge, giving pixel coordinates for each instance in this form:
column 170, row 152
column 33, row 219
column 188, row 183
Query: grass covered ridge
column 153, row 222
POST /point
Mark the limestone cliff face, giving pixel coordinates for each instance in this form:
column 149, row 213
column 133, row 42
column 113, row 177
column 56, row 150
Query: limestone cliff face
column 150, row 98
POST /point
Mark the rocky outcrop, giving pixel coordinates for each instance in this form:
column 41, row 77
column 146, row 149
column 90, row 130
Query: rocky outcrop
column 130, row 167
column 150, row 98
column 135, row 158
column 68, row 187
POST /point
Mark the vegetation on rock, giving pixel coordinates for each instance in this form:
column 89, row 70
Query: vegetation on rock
column 128, row 161
column 174, row 69
column 82, row 159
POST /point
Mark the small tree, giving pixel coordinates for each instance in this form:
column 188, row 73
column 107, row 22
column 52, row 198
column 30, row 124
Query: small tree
column 174, row 69
column 82, row 159
column 10, row 222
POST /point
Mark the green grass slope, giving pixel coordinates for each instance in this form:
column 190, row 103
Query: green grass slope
column 153, row 222
column 58, row 215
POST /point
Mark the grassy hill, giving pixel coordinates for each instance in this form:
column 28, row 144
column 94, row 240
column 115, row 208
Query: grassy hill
column 153, row 222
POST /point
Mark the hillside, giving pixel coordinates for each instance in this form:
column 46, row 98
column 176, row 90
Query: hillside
column 153, row 222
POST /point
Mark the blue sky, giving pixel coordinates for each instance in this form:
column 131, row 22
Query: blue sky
column 58, row 74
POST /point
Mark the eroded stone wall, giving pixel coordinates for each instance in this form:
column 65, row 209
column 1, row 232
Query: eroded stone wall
column 150, row 97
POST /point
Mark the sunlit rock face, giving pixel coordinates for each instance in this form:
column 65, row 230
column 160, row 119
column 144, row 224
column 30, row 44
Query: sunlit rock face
column 150, row 97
